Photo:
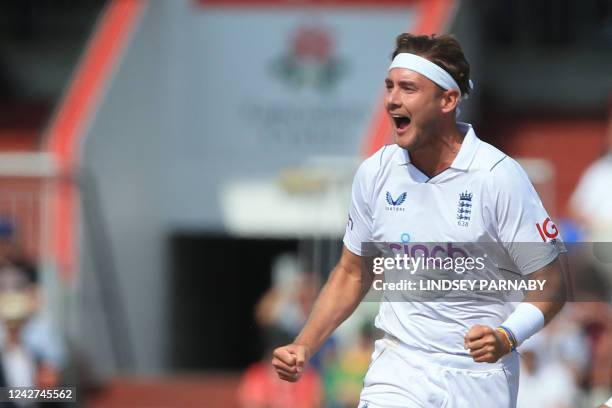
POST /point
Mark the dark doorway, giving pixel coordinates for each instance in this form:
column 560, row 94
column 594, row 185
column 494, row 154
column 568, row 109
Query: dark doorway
column 214, row 285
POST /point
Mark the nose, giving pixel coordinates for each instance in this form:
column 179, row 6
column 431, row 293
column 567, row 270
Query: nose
column 392, row 100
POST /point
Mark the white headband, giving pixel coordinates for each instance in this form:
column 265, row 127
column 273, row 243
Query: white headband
column 428, row 69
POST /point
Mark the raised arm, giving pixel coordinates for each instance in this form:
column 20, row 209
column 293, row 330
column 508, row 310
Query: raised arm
column 345, row 288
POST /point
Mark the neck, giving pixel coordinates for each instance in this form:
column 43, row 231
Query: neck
column 436, row 156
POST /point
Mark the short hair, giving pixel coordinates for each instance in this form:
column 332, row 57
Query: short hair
column 444, row 51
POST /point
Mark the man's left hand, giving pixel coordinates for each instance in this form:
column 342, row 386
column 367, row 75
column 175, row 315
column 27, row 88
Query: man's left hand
column 486, row 344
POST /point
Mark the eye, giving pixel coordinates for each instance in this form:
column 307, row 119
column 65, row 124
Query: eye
column 408, row 88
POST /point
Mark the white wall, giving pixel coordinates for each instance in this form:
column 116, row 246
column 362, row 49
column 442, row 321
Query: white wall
column 188, row 111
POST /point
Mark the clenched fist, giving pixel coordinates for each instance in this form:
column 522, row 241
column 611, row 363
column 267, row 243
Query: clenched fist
column 289, row 361
column 486, row 345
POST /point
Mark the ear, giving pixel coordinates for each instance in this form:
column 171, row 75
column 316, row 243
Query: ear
column 449, row 100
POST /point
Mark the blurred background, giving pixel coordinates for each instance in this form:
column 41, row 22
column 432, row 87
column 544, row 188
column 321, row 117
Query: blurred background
column 175, row 176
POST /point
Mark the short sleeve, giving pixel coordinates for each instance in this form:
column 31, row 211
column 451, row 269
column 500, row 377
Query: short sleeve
column 359, row 224
column 524, row 228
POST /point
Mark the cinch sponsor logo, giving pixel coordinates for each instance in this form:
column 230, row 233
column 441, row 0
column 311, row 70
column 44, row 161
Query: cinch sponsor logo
column 423, row 250
column 395, row 204
column 548, row 229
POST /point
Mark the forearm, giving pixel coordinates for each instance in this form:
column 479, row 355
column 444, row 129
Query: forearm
column 336, row 302
column 548, row 309
column 552, row 298
column 538, row 307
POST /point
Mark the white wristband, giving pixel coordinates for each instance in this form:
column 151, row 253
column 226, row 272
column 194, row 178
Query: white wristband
column 524, row 322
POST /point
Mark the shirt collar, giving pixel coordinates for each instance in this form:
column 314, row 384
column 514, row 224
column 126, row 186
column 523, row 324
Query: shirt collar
column 467, row 151
column 468, row 148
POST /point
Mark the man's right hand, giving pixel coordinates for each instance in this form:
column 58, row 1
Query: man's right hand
column 289, row 361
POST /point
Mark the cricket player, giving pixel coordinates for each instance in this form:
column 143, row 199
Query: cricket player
column 438, row 183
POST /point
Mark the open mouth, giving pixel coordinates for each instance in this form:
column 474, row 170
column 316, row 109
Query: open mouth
column 401, row 122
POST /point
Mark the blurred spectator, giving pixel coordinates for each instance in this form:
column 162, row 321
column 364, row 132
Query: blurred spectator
column 261, row 388
column 564, row 340
column 544, row 383
column 343, row 380
column 570, row 361
column 591, row 202
column 284, row 308
column 591, row 207
column 596, row 320
column 286, row 305
column 8, row 249
column 280, row 313
column 30, row 350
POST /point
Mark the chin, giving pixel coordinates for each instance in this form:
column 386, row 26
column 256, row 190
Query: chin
column 406, row 141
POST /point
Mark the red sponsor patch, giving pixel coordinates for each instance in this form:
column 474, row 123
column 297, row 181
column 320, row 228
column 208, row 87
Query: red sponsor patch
column 548, row 230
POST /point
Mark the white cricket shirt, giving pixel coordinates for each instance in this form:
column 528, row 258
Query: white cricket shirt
column 484, row 197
